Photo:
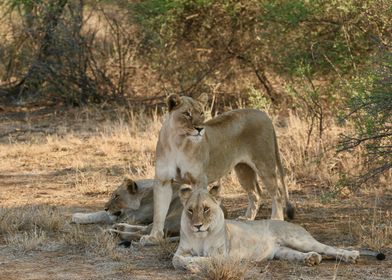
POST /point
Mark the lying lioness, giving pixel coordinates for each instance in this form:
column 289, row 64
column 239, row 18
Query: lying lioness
column 132, row 201
column 206, row 233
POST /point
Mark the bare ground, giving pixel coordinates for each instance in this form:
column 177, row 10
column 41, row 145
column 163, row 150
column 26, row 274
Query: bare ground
column 69, row 161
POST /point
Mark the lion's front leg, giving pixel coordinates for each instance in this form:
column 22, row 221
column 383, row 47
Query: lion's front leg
column 162, row 198
column 93, row 218
column 188, row 262
column 125, row 235
column 131, row 228
column 129, row 232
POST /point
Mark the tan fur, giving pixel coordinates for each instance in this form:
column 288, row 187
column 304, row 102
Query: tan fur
column 199, row 153
column 205, row 233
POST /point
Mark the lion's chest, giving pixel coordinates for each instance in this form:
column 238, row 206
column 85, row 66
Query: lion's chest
column 207, row 248
column 175, row 163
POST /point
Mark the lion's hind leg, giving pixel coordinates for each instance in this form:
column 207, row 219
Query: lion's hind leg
column 248, row 181
column 337, row 253
column 306, row 243
column 130, row 228
column 129, row 232
column 269, row 178
column 310, row 258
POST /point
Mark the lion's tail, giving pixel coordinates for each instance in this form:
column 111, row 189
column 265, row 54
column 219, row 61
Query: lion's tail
column 380, row 256
column 290, row 211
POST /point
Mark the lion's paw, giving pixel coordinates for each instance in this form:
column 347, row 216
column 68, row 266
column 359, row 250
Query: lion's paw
column 119, row 226
column 194, row 268
column 312, row 258
column 350, row 256
column 111, row 232
column 148, row 240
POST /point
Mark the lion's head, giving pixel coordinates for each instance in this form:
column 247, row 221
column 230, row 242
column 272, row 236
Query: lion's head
column 202, row 211
column 126, row 197
column 187, row 114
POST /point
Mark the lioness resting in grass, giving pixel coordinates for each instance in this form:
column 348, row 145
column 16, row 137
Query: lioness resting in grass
column 205, row 233
column 198, row 152
column 132, row 201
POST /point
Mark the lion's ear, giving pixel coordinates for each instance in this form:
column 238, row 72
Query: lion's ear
column 203, row 99
column 185, row 193
column 173, row 101
column 131, row 186
column 215, row 192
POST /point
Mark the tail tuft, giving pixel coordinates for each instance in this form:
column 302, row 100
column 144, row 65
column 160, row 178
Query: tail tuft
column 380, row 256
column 125, row 243
column 290, row 211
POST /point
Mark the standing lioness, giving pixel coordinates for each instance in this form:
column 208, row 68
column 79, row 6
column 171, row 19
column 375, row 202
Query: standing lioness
column 199, row 153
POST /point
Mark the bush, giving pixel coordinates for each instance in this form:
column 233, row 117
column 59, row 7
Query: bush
column 371, row 110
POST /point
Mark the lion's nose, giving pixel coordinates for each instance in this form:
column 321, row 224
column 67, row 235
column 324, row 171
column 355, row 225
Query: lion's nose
column 198, row 226
column 199, row 129
column 106, row 208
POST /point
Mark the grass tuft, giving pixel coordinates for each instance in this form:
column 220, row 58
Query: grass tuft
column 225, row 269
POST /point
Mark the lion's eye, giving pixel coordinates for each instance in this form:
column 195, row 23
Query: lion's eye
column 202, row 114
column 206, row 209
column 190, row 211
column 116, row 196
column 187, row 114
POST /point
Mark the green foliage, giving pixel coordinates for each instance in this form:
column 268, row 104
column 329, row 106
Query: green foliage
column 330, row 37
column 371, row 110
column 158, row 17
column 257, row 100
column 372, row 101
column 290, row 13
column 24, row 2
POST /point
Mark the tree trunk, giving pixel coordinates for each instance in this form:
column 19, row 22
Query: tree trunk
column 269, row 89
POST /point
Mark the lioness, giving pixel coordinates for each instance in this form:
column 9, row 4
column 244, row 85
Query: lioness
column 205, row 233
column 132, row 201
column 199, row 153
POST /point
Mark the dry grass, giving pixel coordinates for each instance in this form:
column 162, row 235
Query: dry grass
column 28, row 227
column 166, row 250
column 90, row 183
column 316, row 162
column 374, row 230
column 225, row 269
column 98, row 242
column 36, row 218
column 27, row 240
column 47, row 177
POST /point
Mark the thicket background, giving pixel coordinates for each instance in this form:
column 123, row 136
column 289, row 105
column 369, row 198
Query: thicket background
column 324, row 61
